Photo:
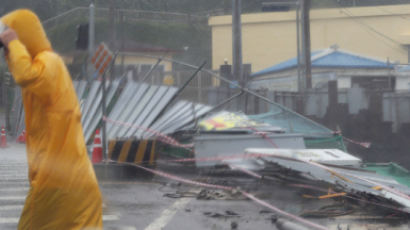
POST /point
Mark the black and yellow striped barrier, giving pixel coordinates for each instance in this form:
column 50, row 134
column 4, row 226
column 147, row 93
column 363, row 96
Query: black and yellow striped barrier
column 132, row 151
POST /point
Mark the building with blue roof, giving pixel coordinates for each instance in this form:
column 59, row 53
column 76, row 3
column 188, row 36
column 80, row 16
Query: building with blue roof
column 331, row 64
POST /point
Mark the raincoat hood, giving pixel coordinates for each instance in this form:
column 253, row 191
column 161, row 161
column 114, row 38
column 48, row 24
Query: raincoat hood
column 29, row 30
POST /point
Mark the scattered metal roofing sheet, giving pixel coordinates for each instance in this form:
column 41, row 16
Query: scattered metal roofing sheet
column 224, row 145
column 350, row 179
column 134, row 111
column 128, row 109
column 139, row 109
column 122, row 102
column 392, row 170
column 194, row 111
column 94, row 120
column 154, row 112
column 96, row 103
column 82, row 85
column 139, row 117
column 168, row 117
column 325, row 156
column 95, row 86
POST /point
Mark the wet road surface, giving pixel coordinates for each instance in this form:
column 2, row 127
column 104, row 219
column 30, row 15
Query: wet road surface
column 142, row 204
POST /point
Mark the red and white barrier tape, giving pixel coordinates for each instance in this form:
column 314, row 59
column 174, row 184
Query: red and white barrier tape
column 264, row 135
column 365, row 145
column 162, row 137
column 246, row 171
column 248, row 195
column 171, row 141
column 220, row 158
column 258, row 176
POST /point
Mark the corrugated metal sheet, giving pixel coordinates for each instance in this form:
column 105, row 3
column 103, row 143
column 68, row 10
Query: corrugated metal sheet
column 351, row 180
column 93, row 121
column 80, row 89
column 149, row 99
column 94, row 88
column 169, row 116
column 139, row 105
column 134, row 106
column 177, row 117
column 121, row 104
column 163, row 97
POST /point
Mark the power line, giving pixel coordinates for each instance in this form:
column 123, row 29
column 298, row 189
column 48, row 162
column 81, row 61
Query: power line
column 346, row 12
column 381, row 36
column 391, row 12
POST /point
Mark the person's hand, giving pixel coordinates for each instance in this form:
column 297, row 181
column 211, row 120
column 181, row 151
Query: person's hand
column 7, row 36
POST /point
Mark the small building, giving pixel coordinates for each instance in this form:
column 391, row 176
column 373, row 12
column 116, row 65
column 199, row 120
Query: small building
column 138, row 58
column 271, row 37
column 402, row 76
column 347, row 68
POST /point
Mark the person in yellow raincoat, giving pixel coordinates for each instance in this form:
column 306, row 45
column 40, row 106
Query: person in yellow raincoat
column 64, row 192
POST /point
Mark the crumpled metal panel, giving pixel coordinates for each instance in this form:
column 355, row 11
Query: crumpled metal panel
column 82, row 85
column 95, row 85
column 227, row 145
column 194, row 111
column 96, row 103
column 355, row 180
column 127, row 110
column 169, row 116
column 122, row 102
column 135, row 108
column 92, row 123
column 177, row 117
column 152, row 112
column 144, row 108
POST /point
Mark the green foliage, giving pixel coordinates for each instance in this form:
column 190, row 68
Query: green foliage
column 50, row 8
column 170, row 35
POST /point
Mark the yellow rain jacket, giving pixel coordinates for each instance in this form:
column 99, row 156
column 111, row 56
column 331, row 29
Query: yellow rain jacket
column 64, row 193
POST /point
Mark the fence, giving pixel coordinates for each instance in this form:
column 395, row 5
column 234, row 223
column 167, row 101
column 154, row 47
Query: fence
column 385, row 106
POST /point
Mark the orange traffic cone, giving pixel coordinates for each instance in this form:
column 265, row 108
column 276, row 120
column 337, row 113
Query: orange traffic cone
column 97, row 148
column 3, row 138
column 22, row 137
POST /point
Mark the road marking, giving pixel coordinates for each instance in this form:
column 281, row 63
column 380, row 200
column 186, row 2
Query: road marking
column 25, row 180
column 126, row 228
column 22, row 182
column 14, row 189
column 167, row 214
column 110, row 217
column 12, row 197
column 13, row 178
column 11, row 207
column 13, row 175
column 9, row 220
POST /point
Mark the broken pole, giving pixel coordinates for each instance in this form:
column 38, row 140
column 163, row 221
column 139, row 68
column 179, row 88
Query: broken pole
column 178, row 92
column 149, row 73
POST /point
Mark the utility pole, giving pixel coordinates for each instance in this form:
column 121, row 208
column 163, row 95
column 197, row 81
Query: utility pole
column 300, row 81
column 237, row 41
column 306, row 58
column 91, row 30
column 112, row 18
